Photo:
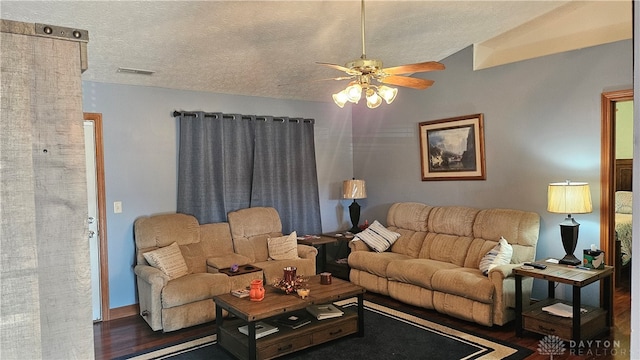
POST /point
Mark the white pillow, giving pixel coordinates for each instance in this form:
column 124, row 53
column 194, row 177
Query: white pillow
column 378, row 237
column 283, row 247
column 169, row 260
column 499, row 255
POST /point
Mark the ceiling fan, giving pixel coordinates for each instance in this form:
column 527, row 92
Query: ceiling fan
column 364, row 72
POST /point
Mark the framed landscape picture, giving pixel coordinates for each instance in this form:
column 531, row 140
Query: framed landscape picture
column 453, row 148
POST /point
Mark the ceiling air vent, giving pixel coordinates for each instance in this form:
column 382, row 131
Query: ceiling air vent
column 135, row 71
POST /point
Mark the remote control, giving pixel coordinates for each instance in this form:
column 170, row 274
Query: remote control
column 537, row 266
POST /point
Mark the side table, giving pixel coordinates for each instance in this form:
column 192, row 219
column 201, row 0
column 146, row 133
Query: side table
column 339, row 267
column 322, row 242
column 581, row 325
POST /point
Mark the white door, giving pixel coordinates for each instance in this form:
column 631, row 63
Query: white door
column 92, row 220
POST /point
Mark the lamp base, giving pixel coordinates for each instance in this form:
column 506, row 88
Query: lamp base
column 354, row 212
column 570, row 260
column 569, row 232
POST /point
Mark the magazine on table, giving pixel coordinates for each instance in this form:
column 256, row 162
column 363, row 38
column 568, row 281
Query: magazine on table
column 560, row 309
column 324, row 311
column 294, row 320
column 262, row 329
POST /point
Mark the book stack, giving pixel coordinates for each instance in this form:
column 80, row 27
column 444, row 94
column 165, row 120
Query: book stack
column 324, row 311
column 262, row 329
column 294, row 320
column 241, row 293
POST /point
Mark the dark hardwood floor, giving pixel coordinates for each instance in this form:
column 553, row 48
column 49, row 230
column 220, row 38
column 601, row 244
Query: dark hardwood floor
column 128, row 335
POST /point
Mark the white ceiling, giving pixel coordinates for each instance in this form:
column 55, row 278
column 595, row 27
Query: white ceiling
column 269, row 48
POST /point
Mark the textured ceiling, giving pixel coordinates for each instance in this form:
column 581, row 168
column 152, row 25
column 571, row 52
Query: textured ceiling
column 268, row 48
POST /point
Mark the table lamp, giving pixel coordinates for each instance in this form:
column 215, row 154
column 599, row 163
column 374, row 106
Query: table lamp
column 354, row 189
column 569, row 198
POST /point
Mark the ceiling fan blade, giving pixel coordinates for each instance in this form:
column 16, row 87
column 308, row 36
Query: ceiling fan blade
column 414, row 68
column 335, row 78
column 406, row 81
column 341, row 68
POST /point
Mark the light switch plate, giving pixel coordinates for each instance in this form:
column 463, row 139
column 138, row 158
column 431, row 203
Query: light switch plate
column 117, row 207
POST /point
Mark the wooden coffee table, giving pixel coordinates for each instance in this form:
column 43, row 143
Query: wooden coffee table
column 275, row 304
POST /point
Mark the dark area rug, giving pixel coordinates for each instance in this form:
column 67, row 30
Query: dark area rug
column 389, row 334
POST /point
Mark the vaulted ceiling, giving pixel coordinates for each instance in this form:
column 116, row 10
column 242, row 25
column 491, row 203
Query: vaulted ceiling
column 269, row 48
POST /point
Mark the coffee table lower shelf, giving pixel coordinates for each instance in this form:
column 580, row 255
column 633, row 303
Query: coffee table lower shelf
column 287, row 340
column 592, row 323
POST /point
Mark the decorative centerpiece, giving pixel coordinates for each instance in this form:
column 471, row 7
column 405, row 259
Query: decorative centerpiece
column 290, row 282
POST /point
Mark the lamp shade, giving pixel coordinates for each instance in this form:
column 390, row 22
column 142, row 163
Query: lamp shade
column 354, row 189
column 569, row 198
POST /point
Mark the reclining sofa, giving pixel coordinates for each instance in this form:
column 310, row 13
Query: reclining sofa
column 435, row 262
column 194, row 253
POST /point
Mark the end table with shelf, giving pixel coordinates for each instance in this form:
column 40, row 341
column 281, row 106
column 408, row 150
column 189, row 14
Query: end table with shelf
column 338, row 266
column 321, row 241
column 582, row 325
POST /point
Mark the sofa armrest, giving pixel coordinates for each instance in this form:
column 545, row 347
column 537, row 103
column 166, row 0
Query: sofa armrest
column 503, row 281
column 151, row 275
column 358, row 245
column 307, row 252
column 150, row 281
column 502, row 271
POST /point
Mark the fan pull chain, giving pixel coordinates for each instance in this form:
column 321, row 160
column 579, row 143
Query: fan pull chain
column 364, row 53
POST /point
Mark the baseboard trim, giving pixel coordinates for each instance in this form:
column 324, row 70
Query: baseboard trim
column 124, row 311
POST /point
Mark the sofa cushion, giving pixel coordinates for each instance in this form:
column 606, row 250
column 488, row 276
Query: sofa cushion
column 169, row 260
column 499, row 255
column 283, row 247
column 373, row 262
column 417, row 272
column 444, row 247
column 194, row 256
column 194, row 287
column 378, row 237
column 409, row 215
column 520, row 227
column 465, row 282
column 156, row 231
column 452, row 220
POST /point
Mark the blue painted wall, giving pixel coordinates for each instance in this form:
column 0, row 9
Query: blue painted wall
column 542, row 124
column 140, row 155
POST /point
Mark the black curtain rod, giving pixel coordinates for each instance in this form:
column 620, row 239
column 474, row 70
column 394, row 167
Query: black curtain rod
column 177, row 113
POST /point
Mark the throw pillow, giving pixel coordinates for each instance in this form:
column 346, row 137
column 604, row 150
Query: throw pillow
column 169, row 260
column 499, row 255
column 283, row 247
column 624, row 202
column 378, row 237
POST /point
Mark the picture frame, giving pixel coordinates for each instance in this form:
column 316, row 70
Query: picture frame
column 453, row 148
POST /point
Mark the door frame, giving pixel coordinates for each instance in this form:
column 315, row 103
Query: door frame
column 102, row 213
column 607, row 171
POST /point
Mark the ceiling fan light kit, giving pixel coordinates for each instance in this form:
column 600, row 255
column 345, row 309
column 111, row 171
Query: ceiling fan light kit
column 364, row 71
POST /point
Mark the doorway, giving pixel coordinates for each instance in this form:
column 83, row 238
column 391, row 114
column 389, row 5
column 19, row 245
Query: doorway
column 97, row 220
column 608, row 171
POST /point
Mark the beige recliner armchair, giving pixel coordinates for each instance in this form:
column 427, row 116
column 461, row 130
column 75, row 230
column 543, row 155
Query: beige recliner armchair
column 250, row 229
column 167, row 303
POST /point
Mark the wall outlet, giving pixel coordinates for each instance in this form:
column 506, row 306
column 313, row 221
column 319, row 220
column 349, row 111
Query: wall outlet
column 117, row 207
